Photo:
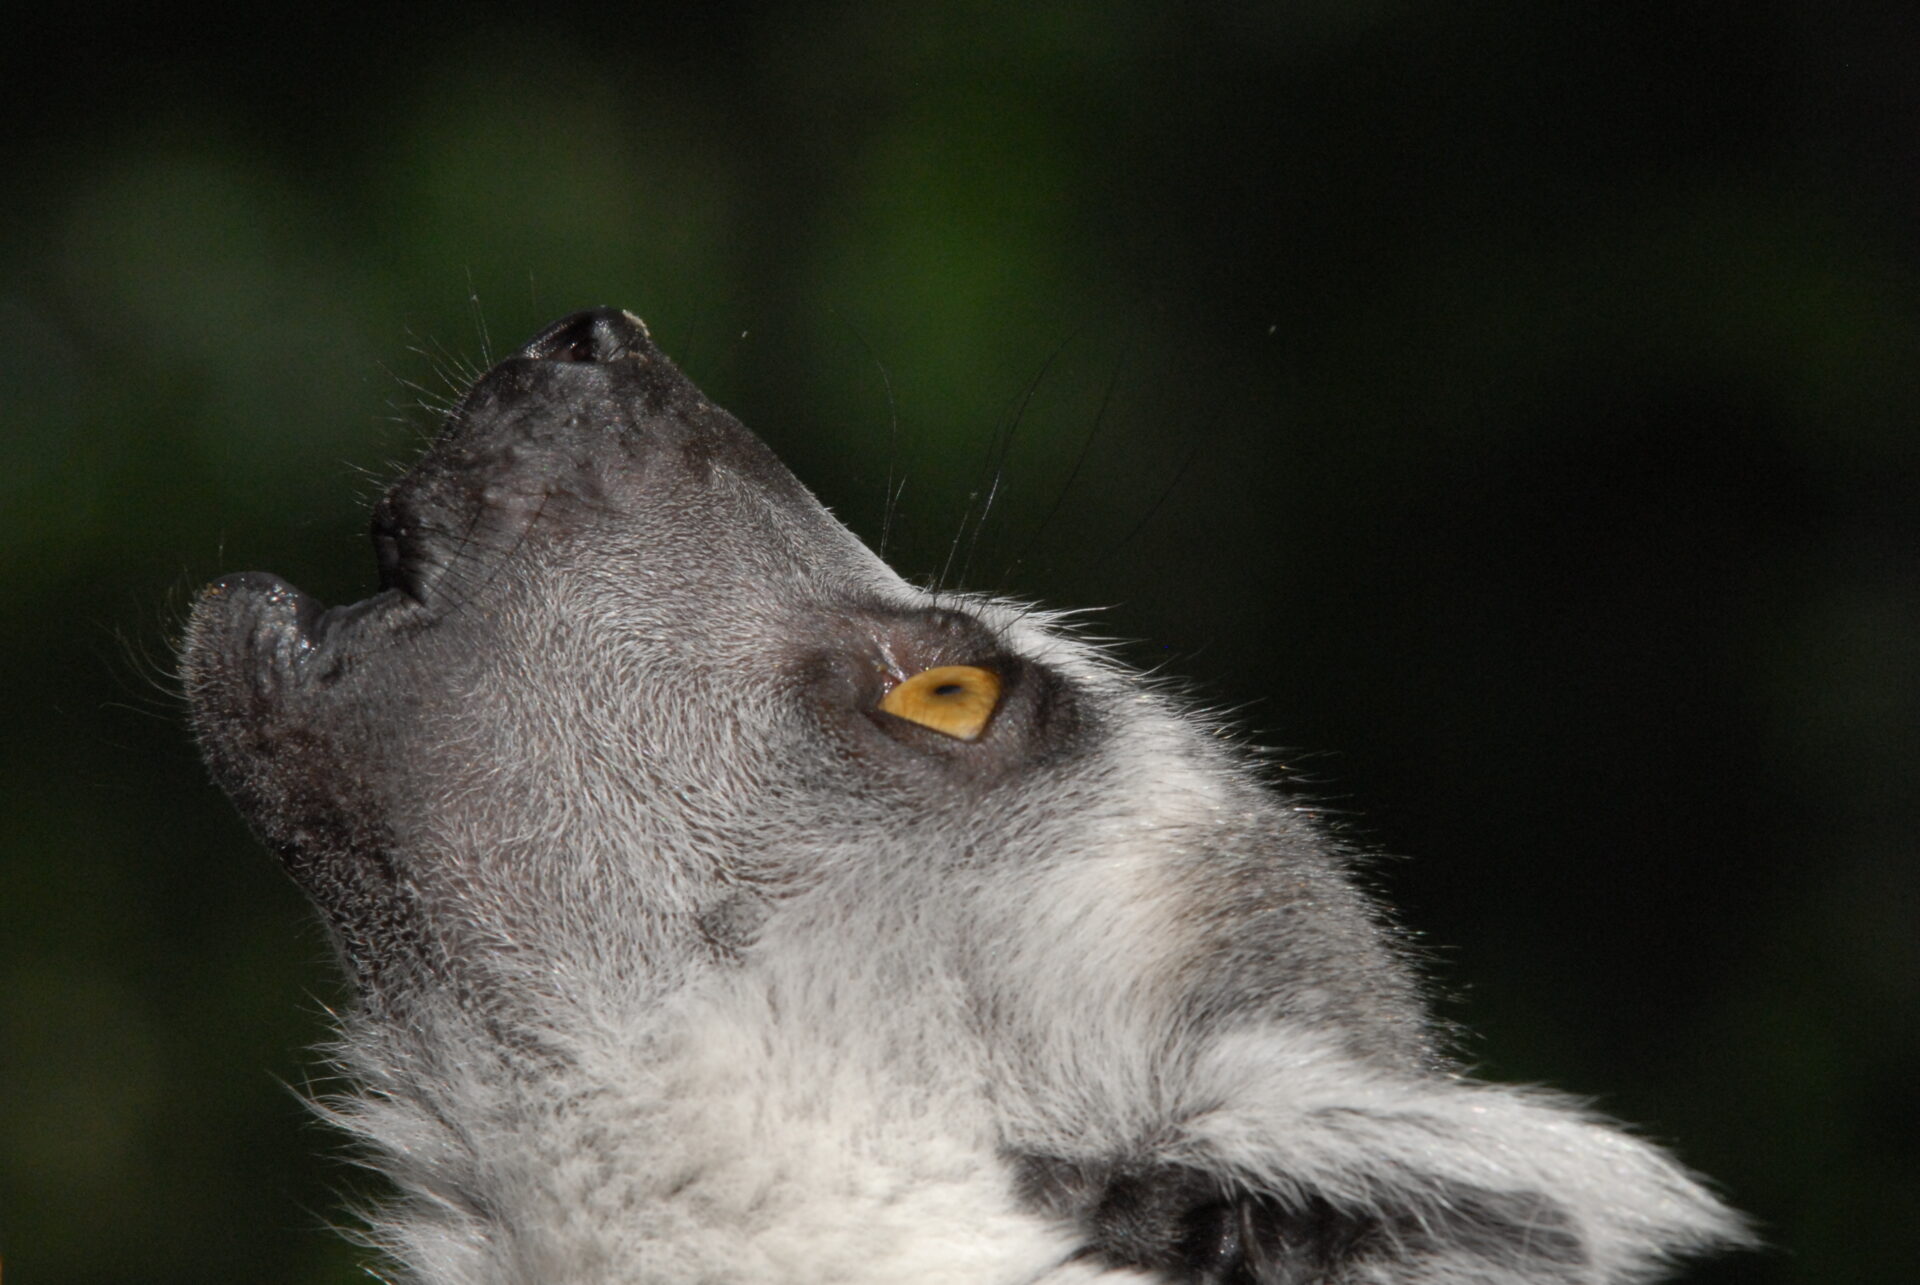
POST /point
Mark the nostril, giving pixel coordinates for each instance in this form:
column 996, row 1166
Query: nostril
column 597, row 335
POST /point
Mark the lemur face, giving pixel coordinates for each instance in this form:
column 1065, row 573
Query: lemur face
column 723, row 907
column 625, row 676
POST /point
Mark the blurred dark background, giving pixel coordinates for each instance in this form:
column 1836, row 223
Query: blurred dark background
column 1510, row 406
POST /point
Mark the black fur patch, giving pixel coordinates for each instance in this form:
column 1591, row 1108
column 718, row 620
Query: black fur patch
column 1185, row 1225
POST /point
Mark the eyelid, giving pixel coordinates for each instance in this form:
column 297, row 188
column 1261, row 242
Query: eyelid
column 954, row 700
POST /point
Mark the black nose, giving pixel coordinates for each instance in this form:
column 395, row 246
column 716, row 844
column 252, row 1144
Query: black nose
column 596, row 335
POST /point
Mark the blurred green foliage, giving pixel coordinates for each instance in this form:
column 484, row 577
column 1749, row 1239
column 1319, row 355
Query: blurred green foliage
column 1516, row 401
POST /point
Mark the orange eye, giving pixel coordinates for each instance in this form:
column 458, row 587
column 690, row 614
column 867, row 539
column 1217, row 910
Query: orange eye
column 956, row 700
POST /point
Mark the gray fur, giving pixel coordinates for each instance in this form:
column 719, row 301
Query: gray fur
column 678, row 961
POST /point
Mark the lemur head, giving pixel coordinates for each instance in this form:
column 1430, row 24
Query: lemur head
column 724, row 907
column 626, row 680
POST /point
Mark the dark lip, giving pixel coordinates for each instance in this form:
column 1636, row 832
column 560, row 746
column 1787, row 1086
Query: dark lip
column 281, row 627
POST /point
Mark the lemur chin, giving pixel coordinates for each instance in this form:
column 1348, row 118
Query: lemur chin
column 723, row 908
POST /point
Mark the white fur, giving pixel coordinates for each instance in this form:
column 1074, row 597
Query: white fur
column 832, row 1112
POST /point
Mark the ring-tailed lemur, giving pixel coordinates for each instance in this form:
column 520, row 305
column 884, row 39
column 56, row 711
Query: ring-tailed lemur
column 723, row 908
